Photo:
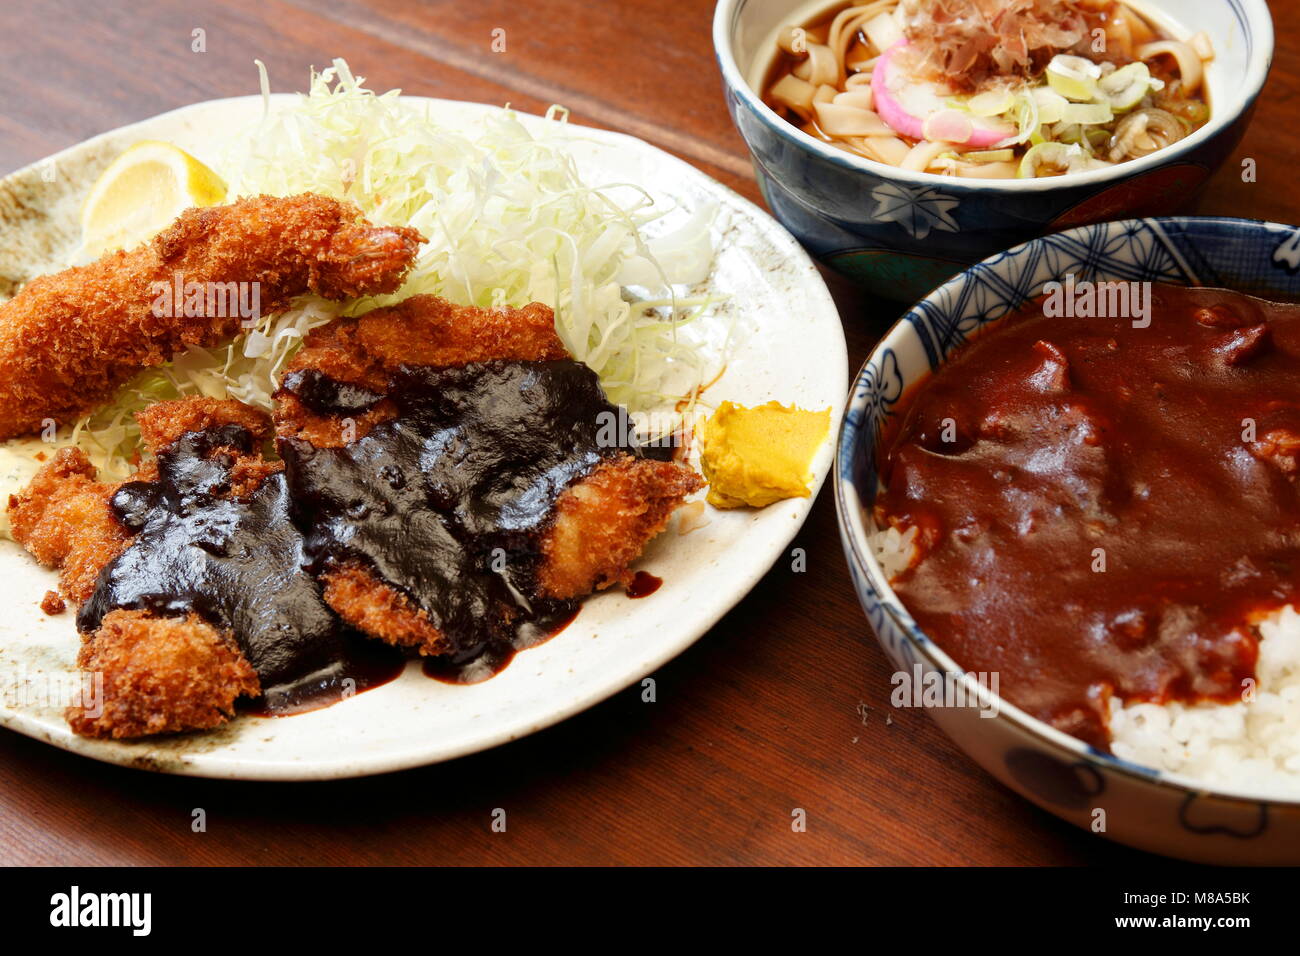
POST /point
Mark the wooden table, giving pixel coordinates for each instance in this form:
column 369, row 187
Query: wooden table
column 782, row 706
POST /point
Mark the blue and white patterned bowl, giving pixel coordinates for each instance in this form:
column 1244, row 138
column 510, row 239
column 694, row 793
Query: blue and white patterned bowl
column 902, row 233
column 1140, row 806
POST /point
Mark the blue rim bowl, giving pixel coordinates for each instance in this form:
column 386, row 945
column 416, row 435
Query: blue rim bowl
column 902, row 233
column 1140, row 806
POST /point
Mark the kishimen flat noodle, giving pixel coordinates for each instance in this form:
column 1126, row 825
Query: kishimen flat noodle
column 990, row 88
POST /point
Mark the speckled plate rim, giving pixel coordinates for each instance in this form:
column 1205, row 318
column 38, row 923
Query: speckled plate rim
column 813, row 303
column 848, row 502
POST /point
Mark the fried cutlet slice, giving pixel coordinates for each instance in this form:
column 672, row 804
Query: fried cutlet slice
column 63, row 519
column 159, row 674
column 600, row 524
column 427, row 330
column 365, row 351
column 164, row 422
column 603, row 523
column 70, row 339
column 374, row 607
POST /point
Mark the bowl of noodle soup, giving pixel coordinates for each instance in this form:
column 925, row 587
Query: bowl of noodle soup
column 900, row 143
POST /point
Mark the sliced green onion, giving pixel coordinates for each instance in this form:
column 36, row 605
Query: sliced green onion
column 990, row 155
column 1073, row 77
column 1051, row 159
column 1097, row 137
column 1025, row 115
column 1051, row 105
column 991, row 103
column 1087, row 114
column 1125, row 88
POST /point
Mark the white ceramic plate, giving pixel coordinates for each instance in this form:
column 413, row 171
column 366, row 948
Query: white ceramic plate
column 789, row 346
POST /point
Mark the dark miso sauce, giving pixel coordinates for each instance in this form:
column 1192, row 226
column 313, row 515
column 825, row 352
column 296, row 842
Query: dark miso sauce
column 448, row 502
column 238, row 564
column 491, row 658
column 643, row 584
column 1105, row 507
column 361, row 664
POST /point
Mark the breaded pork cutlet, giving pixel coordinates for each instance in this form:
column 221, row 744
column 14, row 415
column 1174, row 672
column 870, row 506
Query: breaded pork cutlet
column 423, row 330
column 598, row 524
column 160, row 674
column 63, row 519
column 69, row 340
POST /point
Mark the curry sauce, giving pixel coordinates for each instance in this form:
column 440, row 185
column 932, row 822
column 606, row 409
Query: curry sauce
column 1105, row 506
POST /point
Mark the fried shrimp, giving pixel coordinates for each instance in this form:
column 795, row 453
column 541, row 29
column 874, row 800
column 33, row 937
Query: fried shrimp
column 69, row 340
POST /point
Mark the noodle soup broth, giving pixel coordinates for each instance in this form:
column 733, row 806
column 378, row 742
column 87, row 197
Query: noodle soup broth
column 941, row 88
column 924, row 209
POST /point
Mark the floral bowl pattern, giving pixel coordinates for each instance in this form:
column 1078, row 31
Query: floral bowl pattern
column 902, row 233
column 1131, row 804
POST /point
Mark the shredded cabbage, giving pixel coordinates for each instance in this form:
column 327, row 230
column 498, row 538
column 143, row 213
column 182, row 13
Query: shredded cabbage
column 247, row 368
column 509, row 220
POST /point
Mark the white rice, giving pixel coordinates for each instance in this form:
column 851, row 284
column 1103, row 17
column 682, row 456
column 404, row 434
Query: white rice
column 893, row 550
column 1251, row 746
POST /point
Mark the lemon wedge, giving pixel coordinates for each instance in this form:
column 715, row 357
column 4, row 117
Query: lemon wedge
column 141, row 192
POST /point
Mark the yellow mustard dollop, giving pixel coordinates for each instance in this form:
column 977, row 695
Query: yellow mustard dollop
column 755, row 456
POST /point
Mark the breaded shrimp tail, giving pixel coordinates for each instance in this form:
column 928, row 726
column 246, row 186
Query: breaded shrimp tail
column 69, row 340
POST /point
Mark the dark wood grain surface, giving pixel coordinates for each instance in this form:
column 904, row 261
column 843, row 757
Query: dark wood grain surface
column 781, row 706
